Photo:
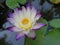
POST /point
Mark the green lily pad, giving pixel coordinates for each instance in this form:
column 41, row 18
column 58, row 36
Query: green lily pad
column 12, row 3
column 52, row 38
column 55, row 23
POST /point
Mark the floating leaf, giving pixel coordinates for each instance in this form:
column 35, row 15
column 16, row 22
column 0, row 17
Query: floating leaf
column 39, row 35
column 55, row 1
column 55, row 23
column 52, row 38
column 12, row 3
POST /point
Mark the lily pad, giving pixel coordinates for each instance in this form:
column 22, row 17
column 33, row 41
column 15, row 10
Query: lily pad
column 52, row 38
column 55, row 23
column 12, row 3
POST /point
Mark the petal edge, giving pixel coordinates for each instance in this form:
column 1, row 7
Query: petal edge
column 18, row 36
column 38, row 26
column 31, row 35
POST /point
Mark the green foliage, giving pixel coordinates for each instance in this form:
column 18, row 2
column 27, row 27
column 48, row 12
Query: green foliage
column 55, row 1
column 55, row 23
column 14, row 3
column 39, row 35
column 52, row 38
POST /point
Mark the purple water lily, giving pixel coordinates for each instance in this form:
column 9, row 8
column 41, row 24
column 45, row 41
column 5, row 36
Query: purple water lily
column 25, row 22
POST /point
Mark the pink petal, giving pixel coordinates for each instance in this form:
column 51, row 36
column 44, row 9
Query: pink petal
column 33, row 12
column 14, row 29
column 26, row 32
column 10, row 28
column 31, row 34
column 11, row 20
column 38, row 16
column 38, row 26
column 16, row 10
column 20, row 35
column 10, row 15
column 28, row 5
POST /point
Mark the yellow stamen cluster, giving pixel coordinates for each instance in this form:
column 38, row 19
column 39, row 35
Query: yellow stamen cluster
column 26, row 24
column 25, row 21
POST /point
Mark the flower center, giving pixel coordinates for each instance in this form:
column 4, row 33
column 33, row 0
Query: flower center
column 25, row 21
column 26, row 24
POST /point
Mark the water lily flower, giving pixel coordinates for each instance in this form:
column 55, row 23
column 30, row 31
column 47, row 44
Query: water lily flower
column 24, row 22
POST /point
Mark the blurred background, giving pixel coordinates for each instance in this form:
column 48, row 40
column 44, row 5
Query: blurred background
column 49, row 10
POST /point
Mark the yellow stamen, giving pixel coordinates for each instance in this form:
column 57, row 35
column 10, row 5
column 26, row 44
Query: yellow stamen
column 26, row 24
column 25, row 21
